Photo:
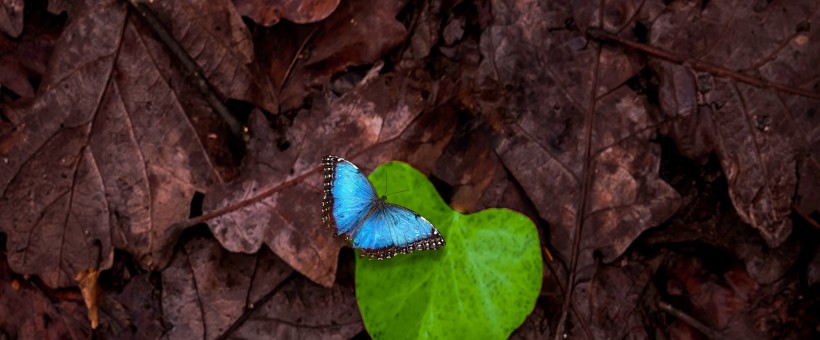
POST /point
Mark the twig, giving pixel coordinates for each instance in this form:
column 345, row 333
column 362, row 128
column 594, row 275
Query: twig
column 253, row 307
column 581, row 321
column 681, row 315
column 601, row 35
column 296, row 58
column 194, row 73
column 805, row 216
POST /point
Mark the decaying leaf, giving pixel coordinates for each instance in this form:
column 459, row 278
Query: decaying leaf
column 300, row 57
column 768, row 142
column 109, row 154
column 576, row 138
column 11, row 17
column 28, row 313
column 269, row 12
column 88, row 281
column 206, row 289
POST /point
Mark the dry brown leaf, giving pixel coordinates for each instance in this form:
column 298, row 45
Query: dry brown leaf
column 88, row 281
column 768, row 141
column 110, row 153
column 269, row 12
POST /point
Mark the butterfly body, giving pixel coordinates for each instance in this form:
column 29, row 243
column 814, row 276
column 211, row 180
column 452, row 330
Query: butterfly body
column 381, row 230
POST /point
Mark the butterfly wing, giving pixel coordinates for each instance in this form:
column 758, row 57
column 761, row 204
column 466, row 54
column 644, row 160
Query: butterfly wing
column 349, row 196
column 393, row 229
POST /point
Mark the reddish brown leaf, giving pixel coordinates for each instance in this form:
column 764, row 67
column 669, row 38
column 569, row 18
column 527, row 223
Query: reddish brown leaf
column 269, row 12
column 133, row 313
column 708, row 217
column 768, row 142
column 110, row 154
column 206, row 289
column 577, row 139
column 720, row 302
column 11, row 17
column 469, row 165
column 23, row 59
column 304, row 310
column 611, row 302
column 27, row 313
column 357, row 33
column 213, row 33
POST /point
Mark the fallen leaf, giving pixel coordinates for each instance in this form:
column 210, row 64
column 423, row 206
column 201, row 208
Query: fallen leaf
column 575, row 137
column 29, row 314
column 269, row 12
column 303, row 57
column 88, row 281
column 135, row 312
column 213, row 33
column 767, row 141
column 303, row 309
column 611, row 303
column 708, row 217
column 24, row 58
column 11, row 17
column 206, row 289
column 110, row 153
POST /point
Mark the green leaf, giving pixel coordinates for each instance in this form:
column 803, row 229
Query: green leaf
column 482, row 284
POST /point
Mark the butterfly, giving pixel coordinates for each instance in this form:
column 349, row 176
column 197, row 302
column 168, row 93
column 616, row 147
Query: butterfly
column 382, row 230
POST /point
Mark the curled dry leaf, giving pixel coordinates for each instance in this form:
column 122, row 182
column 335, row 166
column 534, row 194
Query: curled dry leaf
column 109, row 153
column 768, row 142
column 89, row 285
column 269, row 12
column 277, row 200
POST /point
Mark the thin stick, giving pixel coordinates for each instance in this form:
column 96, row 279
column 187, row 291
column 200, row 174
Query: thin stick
column 681, row 315
column 194, row 73
column 253, row 307
column 601, row 35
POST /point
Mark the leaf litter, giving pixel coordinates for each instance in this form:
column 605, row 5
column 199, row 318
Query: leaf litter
column 669, row 160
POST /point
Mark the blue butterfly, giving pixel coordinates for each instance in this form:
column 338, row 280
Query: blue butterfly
column 380, row 229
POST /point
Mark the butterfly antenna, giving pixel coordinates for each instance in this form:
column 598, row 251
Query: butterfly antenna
column 398, row 192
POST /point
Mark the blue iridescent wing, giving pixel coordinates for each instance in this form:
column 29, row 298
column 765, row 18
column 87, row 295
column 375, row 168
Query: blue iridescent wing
column 352, row 208
column 391, row 229
column 349, row 196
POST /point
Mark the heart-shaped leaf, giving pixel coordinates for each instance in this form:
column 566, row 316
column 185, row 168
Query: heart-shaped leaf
column 482, row 284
